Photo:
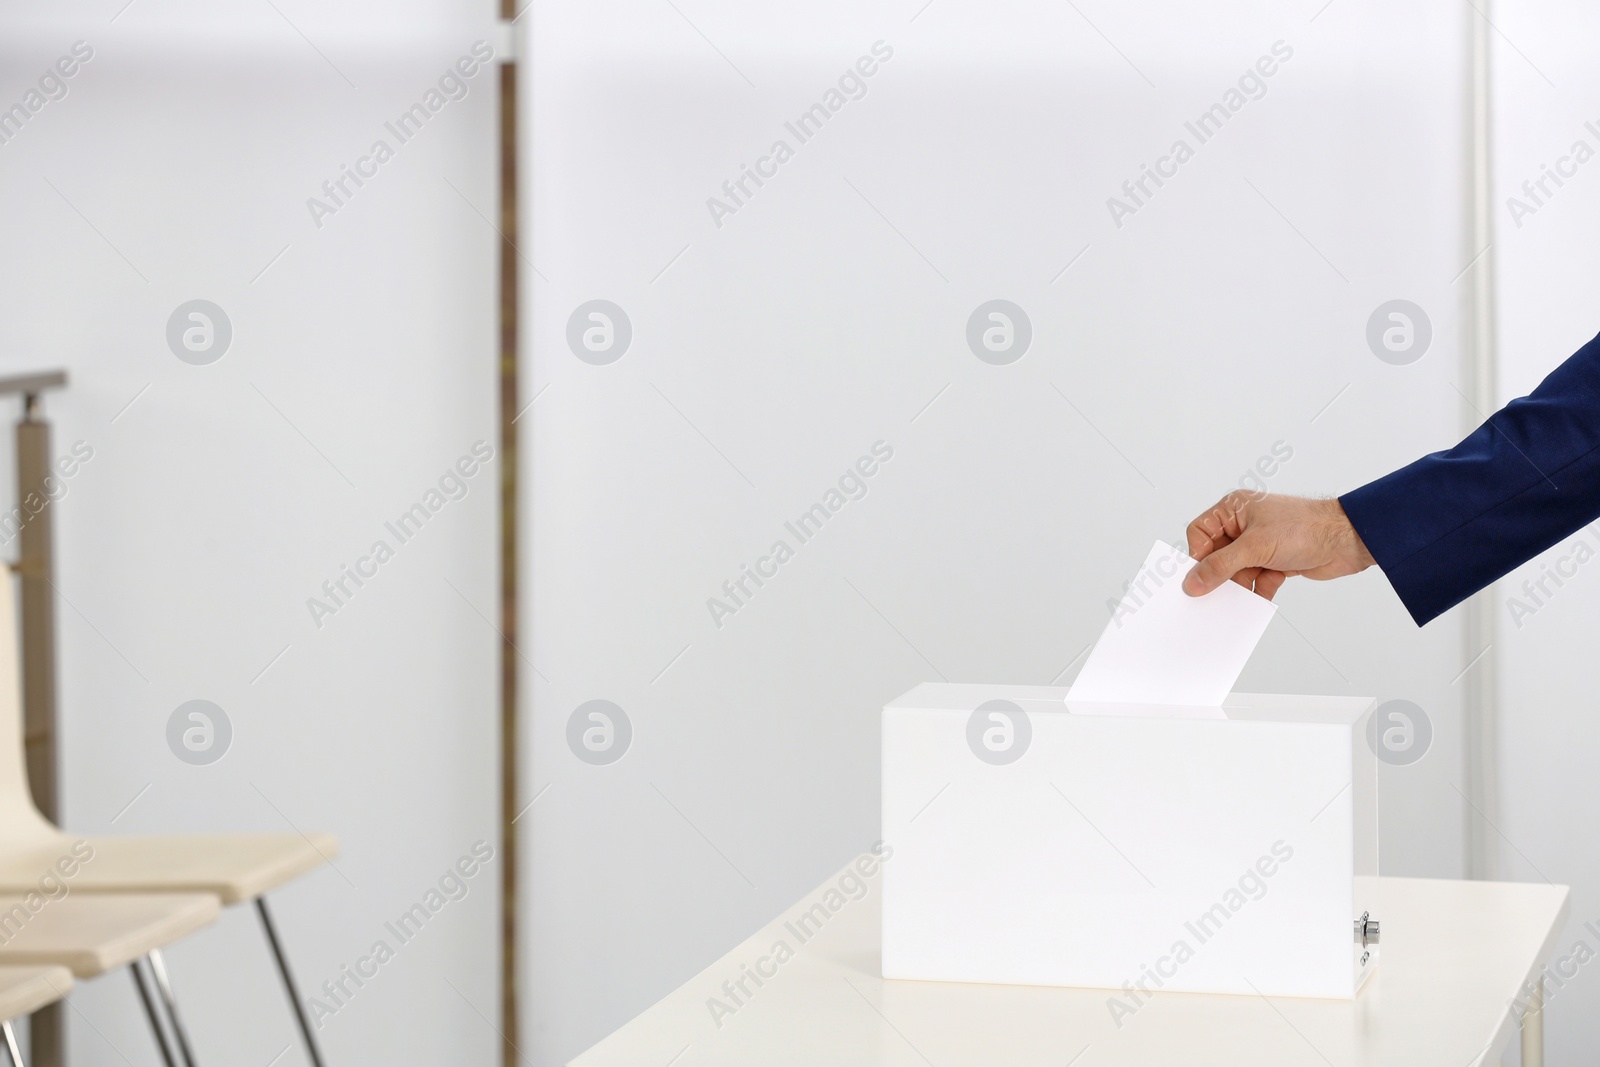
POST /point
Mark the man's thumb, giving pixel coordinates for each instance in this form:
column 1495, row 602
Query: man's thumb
column 1218, row 567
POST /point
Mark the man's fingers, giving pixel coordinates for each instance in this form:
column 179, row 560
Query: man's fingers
column 1219, row 566
column 1200, row 540
column 1269, row 582
column 1202, row 545
column 1206, row 534
column 1216, row 527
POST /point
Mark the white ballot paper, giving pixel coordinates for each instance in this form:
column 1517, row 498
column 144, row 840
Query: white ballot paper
column 1163, row 646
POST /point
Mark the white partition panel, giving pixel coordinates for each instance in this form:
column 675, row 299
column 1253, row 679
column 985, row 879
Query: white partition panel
column 1545, row 123
column 760, row 237
column 176, row 163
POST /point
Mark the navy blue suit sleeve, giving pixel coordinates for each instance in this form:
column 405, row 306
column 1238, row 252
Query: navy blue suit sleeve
column 1451, row 523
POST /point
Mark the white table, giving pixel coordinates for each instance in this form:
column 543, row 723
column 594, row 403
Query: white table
column 1455, row 956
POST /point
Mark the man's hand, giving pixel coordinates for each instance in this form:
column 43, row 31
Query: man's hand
column 1259, row 539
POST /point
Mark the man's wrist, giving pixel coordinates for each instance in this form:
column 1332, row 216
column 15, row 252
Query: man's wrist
column 1347, row 541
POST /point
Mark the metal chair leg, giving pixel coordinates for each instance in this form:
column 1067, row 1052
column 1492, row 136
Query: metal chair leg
column 11, row 1044
column 312, row 1051
column 150, row 1013
column 164, row 985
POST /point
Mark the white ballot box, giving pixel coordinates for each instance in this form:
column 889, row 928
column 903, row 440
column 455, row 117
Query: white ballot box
column 1131, row 847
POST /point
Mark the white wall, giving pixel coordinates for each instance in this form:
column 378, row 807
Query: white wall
column 220, row 497
column 828, row 313
column 1547, row 271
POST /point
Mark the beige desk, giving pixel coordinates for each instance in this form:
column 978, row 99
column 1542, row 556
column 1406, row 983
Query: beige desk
column 1455, row 957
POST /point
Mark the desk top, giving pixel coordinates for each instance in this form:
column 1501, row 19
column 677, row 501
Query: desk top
column 1455, row 956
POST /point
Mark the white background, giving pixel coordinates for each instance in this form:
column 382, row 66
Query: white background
column 1545, row 92
column 829, row 313
column 184, row 152
column 767, row 356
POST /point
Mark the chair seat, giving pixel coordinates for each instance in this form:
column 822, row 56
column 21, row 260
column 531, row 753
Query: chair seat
column 27, row 989
column 233, row 867
column 92, row 933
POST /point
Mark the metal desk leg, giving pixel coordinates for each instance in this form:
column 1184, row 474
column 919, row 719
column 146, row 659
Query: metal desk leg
column 1533, row 1029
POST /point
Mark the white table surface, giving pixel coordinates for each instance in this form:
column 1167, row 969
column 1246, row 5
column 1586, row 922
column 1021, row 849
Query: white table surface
column 1454, row 957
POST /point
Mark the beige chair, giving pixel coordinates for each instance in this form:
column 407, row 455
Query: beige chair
column 234, row 868
column 24, row 990
column 92, row 934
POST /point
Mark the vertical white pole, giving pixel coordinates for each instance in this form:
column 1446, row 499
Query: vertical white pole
column 1480, row 703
